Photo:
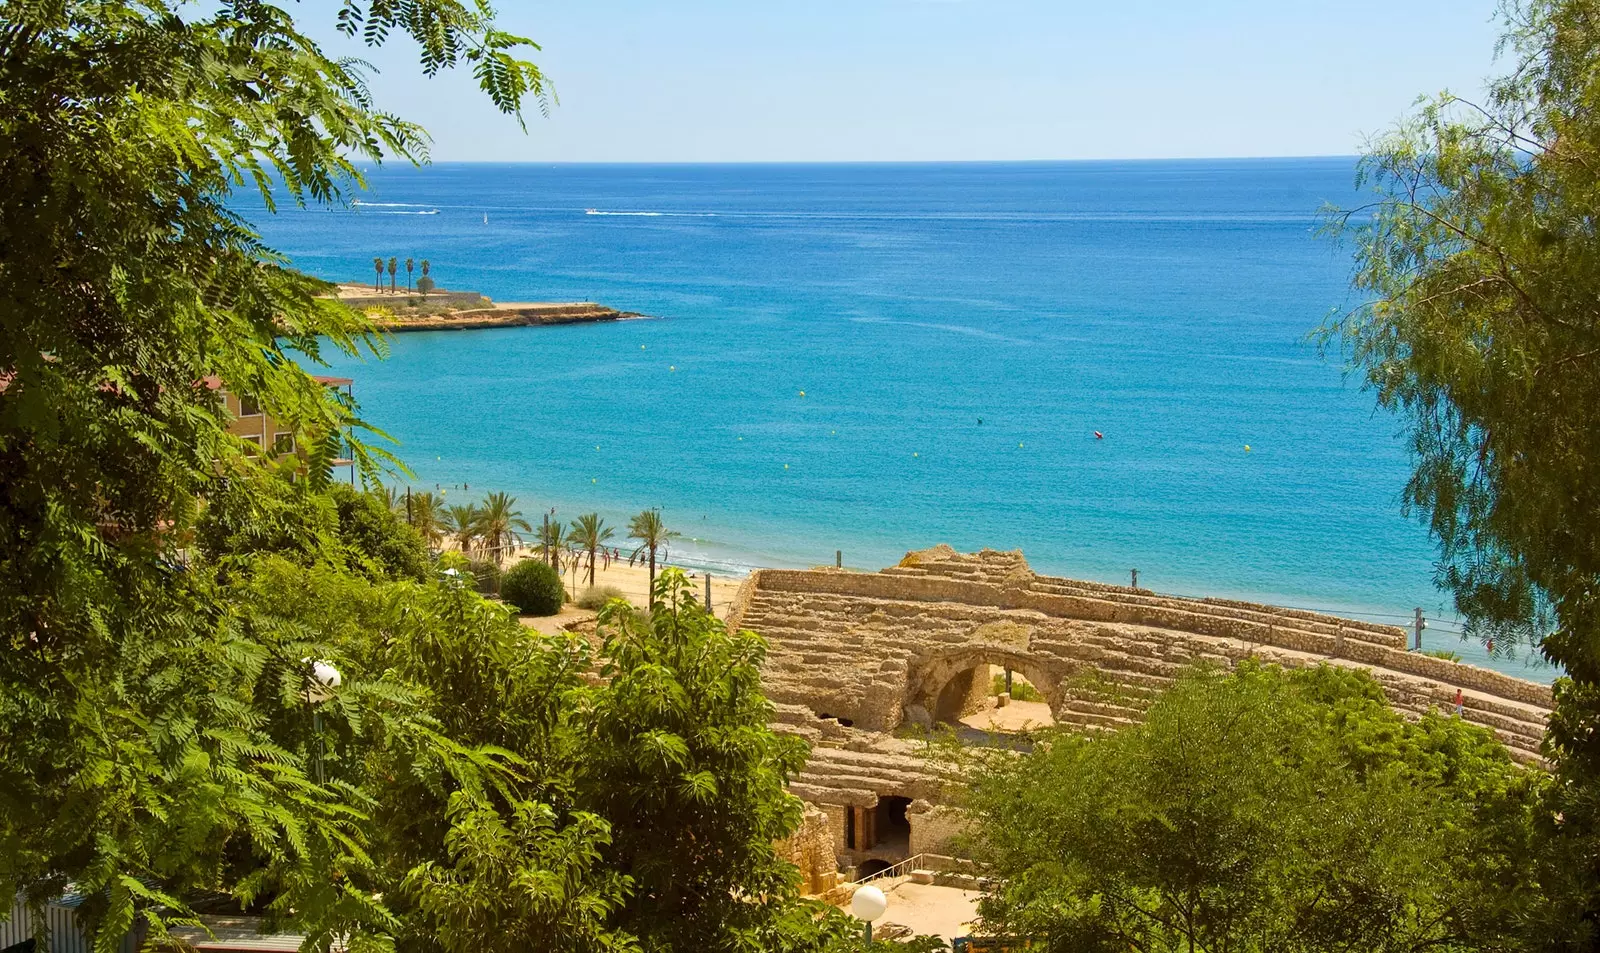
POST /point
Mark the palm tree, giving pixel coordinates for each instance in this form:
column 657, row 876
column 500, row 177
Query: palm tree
column 410, row 264
column 461, row 522
column 389, row 497
column 498, row 522
column 394, row 265
column 426, row 514
column 652, row 535
column 551, row 533
column 377, row 283
column 589, row 533
column 424, row 267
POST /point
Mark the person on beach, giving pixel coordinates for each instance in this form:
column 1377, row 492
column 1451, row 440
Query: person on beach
column 1458, row 703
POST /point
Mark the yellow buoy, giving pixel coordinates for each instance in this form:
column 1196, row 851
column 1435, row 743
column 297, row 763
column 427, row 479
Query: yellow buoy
column 786, row 466
column 802, row 393
column 641, row 347
column 1247, row 448
column 672, row 367
column 916, row 454
column 597, row 446
column 594, row 481
column 834, row 432
column 1019, row 445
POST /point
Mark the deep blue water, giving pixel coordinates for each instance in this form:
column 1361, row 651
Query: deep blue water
column 959, row 333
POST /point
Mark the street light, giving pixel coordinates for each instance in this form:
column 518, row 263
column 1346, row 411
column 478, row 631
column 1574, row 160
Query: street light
column 867, row 905
column 319, row 688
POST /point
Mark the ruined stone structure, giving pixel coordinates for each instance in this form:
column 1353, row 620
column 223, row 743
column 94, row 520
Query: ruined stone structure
column 854, row 656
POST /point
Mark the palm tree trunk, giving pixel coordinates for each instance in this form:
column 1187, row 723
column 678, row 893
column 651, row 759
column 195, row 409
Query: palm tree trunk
column 652, row 596
column 591, row 567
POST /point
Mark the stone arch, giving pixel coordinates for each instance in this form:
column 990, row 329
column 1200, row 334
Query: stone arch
column 938, row 678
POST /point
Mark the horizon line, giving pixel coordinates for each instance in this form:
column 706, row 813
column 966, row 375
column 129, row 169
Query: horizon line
column 775, row 162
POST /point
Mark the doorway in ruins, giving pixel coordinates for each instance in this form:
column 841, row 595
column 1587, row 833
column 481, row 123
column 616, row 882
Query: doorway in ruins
column 995, row 699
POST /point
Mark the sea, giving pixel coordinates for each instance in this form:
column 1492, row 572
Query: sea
column 1111, row 366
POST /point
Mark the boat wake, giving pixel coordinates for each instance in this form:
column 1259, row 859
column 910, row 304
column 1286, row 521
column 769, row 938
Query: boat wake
column 624, row 214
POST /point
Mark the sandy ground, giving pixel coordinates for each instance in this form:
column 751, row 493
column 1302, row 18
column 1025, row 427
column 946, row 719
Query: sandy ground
column 634, row 582
column 1017, row 716
column 933, row 911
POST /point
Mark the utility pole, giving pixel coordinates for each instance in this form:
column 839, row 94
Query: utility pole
column 708, row 592
column 1135, row 578
column 838, row 559
column 1008, row 681
column 409, row 520
column 1420, row 625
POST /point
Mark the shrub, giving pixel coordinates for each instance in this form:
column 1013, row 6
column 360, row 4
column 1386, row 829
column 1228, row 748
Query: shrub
column 487, row 574
column 1021, row 691
column 533, row 587
column 425, row 285
column 1445, row 654
column 596, row 596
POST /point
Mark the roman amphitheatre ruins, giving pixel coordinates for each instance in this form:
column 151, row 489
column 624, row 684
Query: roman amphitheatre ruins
column 856, row 657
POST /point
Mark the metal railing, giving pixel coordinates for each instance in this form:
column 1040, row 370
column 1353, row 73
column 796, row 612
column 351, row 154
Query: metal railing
column 908, row 865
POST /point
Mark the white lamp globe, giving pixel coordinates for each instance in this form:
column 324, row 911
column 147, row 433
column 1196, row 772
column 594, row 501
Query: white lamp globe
column 324, row 679
column 868, row 903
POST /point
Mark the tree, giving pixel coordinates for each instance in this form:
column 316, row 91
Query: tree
column 410, row 264
column 1477, row 274
column 499, row 522
column 377, row 282
column 1261, row 810
column 425, row 513
column 463, row 522
column 388, row 496
column 653, row 535
column 551, row 536
column 680, row 761
column 393, row 267
column 589, row 533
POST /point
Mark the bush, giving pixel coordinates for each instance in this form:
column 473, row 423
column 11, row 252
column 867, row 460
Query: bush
column 1021, row 691
column 596, row 596
column 487, row 574
column 533, row 587
column 1445, row 654
column 425, row 285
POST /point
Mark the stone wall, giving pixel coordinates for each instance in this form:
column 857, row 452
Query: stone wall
column 811, row 849
column 852, row 656
column 935, row 828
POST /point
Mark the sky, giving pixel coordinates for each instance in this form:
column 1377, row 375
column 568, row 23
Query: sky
column 938, row 80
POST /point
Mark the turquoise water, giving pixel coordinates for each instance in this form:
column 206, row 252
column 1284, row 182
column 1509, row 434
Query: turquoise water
column 960, row 332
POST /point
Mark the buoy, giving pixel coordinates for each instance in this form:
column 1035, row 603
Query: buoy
column 834, row 432
column 672, row 367
column 1247, row 448
column 1099, row 436
column 802, row 393
column 741, row 438
column 641, row 347
column 597, row 446
column 916, row 454
column 592, row 480
column 1019, row 445
column 786, row 466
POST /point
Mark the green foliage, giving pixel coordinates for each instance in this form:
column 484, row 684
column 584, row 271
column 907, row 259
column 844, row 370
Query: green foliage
column 1445, row 654
column 338, row 525
column 425, row 285
column 534, row 587
column 679, row 758
column 648, row 528
column 500, row 525
column 1022, row 691
column 1261, row 810
column 1477, row 274
column 133, row 696
column 485, row 574
column 588, row 533
column 595, row 597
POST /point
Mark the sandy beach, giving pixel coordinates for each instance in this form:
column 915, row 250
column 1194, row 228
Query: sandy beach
column 634, row 582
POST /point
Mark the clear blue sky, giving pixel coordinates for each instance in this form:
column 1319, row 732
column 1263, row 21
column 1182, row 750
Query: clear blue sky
column 808, row 80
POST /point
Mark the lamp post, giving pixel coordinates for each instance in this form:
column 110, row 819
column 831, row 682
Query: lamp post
column 319, row 688
column 867, row 905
